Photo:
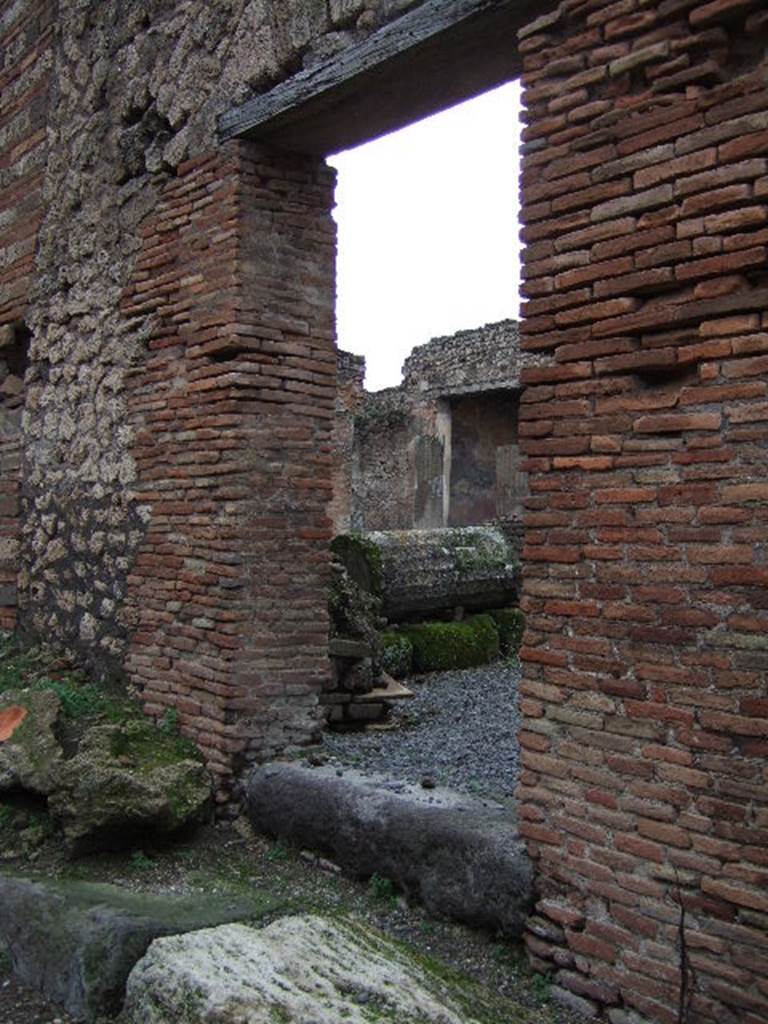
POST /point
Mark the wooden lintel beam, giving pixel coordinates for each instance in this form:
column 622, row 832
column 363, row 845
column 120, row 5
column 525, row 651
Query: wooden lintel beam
column 427, row 60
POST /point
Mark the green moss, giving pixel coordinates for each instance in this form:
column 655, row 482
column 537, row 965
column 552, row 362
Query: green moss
column 78, row 699
column 149, row 746
column 462, row 993
column 38, row 668
column 476, row 551
column 396, row 654
column 510, row 623
column 18, row 665
column 382, row 889
column 362, row 560
column 438, row 646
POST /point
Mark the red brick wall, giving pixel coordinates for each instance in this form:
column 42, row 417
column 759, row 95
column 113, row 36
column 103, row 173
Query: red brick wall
column 25, row 53
column 232, row 404
column 645, row 792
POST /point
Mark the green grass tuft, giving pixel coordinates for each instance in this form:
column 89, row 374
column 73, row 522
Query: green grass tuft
column 510, row 623
column 382, row 889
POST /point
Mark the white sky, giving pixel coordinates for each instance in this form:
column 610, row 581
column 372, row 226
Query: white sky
column 428, row 233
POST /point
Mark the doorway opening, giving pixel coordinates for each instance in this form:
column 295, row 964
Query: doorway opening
column 428, row 276
column 429, row 59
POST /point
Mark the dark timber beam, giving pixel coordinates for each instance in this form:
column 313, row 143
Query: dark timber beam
column 435, row 56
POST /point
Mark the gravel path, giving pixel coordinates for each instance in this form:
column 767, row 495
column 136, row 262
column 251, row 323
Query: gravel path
column 20, row 1006
column 460, row 730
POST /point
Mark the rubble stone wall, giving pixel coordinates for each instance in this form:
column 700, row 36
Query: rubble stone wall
column 350, row 371
column 644, row 795
column 384, row 428
column 482, row 359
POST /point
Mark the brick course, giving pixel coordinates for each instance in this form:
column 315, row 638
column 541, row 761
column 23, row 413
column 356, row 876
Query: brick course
column 25, row 63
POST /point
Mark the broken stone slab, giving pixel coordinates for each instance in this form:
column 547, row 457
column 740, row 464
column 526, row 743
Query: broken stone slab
column 296, row 970
column 122, row 788
column 461, row 856
column 76, row 942
column 30, row 755
column 416, row 572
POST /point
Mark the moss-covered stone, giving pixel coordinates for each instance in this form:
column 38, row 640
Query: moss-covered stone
column 510, row 623
column 396, row 654
column 31, row 757
column 128, row 782
column 77, row 942
column 438, row 646
column 362, row 560
column 349, row 972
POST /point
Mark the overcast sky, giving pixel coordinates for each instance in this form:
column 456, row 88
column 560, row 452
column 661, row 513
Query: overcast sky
column 428, row 236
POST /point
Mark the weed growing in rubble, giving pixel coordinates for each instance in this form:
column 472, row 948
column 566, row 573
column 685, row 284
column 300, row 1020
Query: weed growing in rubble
column 382, row 889
column 140, row 861
column 541, row 986
column 278, row 852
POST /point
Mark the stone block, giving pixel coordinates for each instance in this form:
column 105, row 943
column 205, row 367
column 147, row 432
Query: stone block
column 461, row 856
column 76, row 942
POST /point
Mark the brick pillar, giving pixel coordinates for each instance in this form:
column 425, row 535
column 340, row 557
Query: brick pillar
column 232, row 408
column 644, row 796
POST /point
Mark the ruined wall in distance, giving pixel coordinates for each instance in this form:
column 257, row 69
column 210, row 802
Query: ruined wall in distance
column 385, row 428
column 481, row 359
column 350, row 372
column 401, row 438
column 483, row 445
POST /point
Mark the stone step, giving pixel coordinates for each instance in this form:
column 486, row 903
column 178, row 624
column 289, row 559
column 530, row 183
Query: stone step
column 392, row 690
column 463, row 857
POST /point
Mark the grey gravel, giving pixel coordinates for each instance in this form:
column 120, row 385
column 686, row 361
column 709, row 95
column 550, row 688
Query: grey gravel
column 460, row 730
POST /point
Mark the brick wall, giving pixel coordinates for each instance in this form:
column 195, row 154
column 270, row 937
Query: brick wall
column 644, row 796
column 231, row 414
column 25, row 62
column 132, row 115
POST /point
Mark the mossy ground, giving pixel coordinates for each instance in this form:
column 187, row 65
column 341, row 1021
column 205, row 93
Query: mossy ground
column 85, row 703
column 221, row 860
column 225, row 861
column 141, row 745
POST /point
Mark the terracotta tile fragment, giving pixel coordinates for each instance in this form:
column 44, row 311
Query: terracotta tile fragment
column 10, row 719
